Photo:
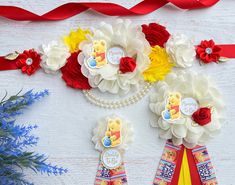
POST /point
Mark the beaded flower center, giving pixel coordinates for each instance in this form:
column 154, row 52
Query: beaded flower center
column 208, row 51
column 29, row 61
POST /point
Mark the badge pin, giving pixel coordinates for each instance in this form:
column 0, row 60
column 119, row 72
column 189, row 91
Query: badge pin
column 188, row 106
column 111, row 158
column 114, row 54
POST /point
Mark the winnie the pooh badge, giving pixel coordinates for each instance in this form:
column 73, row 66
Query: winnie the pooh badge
column 98, row 55
column 112, row 136
column 172, row 108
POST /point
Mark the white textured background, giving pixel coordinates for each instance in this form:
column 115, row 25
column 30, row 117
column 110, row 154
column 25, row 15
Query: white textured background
column 66, row 119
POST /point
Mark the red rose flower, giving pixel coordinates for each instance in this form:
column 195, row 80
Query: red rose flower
column 127, row 64
column 208, row 52
column 202, row 116
column 28, row 61
column 155, row 34
column 72, row 75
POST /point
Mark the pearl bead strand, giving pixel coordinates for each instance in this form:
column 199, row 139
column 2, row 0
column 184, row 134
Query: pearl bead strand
column 109, row 104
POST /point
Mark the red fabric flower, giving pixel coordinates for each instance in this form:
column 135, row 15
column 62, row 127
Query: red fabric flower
column 208, row 52
column 155, row 34
column 202, row 116
column 72, row 75
column 28, row 61
column 127, row 64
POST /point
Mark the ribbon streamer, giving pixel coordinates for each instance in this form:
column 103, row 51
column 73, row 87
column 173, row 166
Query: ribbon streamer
column 71, row 9
column 106, row 176
column 185, row 171
column 179, row 165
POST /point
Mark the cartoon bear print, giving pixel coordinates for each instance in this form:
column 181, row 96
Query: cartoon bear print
column 210, row 183
column 172, row 111
column 160, row 182
column 104, row 182
column 117, row 182
column 163, row 183
column 114, row 131
column 201, row 156
column 116, row 171
column 169, row 155
column 113, row 182
column 99, row 53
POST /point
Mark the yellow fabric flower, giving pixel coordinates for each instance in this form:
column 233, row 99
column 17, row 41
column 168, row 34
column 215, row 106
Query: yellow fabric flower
column 75, row 38
column 160, row 65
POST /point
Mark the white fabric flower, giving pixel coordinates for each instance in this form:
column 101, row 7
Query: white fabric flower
column 181, row 50
column 184, row 130
column 108, row 78
column 54, row 56
column 99, row 133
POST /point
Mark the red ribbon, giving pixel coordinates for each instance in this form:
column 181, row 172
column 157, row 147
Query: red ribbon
column 176, row 176
column 71, row 9
column 7, row 64
column 227, row 50
column 195, row 178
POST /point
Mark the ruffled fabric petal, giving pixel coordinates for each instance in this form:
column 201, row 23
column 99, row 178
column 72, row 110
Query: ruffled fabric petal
column 184, row 130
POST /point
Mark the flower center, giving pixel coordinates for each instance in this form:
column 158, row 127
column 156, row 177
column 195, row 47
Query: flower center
column 208, row 51
column 29, row 61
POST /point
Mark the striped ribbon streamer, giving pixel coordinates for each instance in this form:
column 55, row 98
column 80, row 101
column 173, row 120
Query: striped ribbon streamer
column 182, row 166
column 106, row 176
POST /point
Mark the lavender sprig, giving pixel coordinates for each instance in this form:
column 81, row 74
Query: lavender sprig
column 16, row 139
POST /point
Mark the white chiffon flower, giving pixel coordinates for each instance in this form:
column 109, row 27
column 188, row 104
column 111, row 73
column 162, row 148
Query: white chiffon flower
column 184, row 130
column 54, row 56
column 99, row 133
column 123, row 34
column 181, row 50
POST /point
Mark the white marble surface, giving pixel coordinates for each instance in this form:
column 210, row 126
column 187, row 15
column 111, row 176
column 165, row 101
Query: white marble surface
column 66, row 119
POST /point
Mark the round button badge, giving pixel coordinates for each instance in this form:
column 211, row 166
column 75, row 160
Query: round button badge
column 114, row 54
column 111, row 158
column 188, row 106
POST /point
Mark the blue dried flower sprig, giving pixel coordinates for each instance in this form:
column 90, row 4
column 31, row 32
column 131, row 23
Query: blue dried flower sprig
column 15, row 139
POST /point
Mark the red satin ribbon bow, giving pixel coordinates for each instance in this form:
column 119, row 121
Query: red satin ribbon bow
column 71, row 9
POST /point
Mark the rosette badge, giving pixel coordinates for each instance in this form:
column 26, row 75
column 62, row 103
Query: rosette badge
column 104, row 61
column 193, row 106
column 122, row 58
column 112, row 137
column 188, row 112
